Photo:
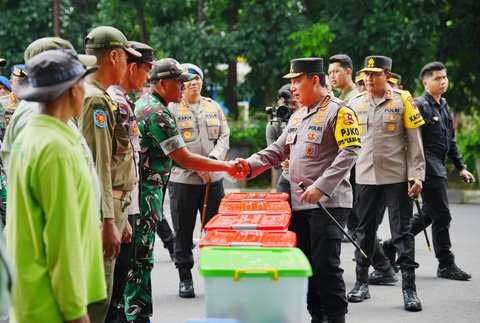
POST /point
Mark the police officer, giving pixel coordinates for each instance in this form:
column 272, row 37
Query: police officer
column 391, row 154
column 10, row 101
column 133, row 80
column 204, row 129
column 395, row 81
column 161, row 144
column 439, row 143
column 322, row 142
column 103, row 125
column 359, row 82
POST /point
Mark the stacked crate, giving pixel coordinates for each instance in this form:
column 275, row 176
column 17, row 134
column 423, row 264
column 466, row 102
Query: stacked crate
column 252, row 270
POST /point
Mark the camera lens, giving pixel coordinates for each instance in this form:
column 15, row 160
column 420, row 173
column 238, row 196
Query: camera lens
column 284, row 112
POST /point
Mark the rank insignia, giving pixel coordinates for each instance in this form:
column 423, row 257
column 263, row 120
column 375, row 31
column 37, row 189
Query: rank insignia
column 388, row 94
column 391, row 127
column 371, row 62
column 100, row 118
column 391, row 118
column 310, row 150
column 289, row 139
column 187, row 134
column 311, row 136
column 317, row 120
column 361, row 107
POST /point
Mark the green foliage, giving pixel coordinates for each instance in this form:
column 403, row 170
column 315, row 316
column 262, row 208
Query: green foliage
column 312, row 41
column 468, row 140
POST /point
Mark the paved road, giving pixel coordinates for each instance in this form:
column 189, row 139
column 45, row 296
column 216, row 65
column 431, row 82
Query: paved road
column 443, row 300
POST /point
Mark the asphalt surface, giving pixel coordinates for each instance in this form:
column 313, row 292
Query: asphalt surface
column 443, row 300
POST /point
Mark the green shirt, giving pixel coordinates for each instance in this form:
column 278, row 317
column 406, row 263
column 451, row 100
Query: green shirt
column 349, row 93
column 53, row 233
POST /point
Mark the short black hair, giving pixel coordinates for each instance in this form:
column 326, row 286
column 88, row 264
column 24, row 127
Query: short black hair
column 428, row 69
column 344, row 60
column 321, row 76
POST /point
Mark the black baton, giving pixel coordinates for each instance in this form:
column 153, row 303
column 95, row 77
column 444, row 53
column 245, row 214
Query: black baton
column 423, row 223
column 325, row 212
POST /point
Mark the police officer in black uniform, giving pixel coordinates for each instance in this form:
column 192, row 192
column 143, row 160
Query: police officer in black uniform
column 438, row 142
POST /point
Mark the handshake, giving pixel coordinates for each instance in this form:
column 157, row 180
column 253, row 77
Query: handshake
column 238, row 168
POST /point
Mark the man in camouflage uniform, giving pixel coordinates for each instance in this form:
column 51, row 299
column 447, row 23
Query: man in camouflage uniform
column 102, row 124
column 9, row 103
column 161, row 144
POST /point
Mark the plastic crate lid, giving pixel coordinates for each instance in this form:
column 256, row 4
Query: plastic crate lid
column 252, row 238
column 253, row 205
column 257, row 195
column 253, row 262
column 258, row 220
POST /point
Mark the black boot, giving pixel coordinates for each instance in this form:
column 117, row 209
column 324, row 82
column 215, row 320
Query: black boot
column 336, row 319
column 360, row 290
column 379, row 277
column 411, row 301
column 185, row 289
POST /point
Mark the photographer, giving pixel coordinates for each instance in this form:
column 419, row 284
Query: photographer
column 286, row 105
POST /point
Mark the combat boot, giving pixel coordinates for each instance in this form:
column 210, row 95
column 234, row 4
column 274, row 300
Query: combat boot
column 336, row 319
column 185, row 289
column 410, row 299
column 360, row 289
column 379, row 277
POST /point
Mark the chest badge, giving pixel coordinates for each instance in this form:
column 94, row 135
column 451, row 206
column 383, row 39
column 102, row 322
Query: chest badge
column 311, row 136
column 318, row 120
column 309, row 151
column 391, row 127
column 187, row 134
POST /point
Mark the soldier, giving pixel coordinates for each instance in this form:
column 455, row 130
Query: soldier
column 340, row 70
column 133, row 80
column 439, row 143
column 103, row 125
column 322, row 142
column 52, row 217
column 161, row 144
column 10, row 101
column 204, row 129
column 391, row 154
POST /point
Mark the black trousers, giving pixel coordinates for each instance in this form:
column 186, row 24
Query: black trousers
column 284, row 187
column 186, row 200
column 321, row 241
column 165, row 232
column 122, row 266
column 437, row 213
column 370, row 200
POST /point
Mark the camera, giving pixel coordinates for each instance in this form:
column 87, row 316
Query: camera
column 283, row 112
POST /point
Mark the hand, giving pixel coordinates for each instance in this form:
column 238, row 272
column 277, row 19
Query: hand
column 110, row 239
column 205, row 176
column 241, row 169
column 285, row 165
column 467, row 176
column 312, row 195
column 414, row 188
column 83, row 319
column 127, row 234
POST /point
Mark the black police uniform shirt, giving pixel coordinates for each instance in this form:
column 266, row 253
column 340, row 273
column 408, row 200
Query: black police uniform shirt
column 438, row 136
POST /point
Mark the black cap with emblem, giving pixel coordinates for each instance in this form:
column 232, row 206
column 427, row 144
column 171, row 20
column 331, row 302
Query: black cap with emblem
column 377, row 64
column 300, row 66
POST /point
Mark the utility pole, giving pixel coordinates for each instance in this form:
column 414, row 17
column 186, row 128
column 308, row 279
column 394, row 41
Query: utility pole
column 56, row 18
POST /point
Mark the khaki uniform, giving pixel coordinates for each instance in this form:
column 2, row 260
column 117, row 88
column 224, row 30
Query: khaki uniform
column 392, row 154
column 103, row 126
column 311, row 141
column 392, row 150
column 348, row 94
column 205, row 132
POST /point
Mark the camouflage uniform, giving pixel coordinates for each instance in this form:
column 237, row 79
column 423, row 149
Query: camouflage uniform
column 8, row 105
column 159, row 137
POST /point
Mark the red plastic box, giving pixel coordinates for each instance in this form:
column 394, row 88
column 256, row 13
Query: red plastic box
column 274, row 196
column 255, row 238
column 235, row 207
column 253, row 220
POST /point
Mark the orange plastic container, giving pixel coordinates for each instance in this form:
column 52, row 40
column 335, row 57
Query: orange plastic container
column 235, row 207
column 244, row 238
column 251, row 220
column 274, row 196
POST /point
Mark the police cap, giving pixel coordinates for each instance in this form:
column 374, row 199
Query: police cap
column 18, row 70
column 377, row 64
column 395, row 79
column 300, row 66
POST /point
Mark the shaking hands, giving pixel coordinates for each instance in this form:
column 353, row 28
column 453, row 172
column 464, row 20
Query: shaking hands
column 239, row 168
